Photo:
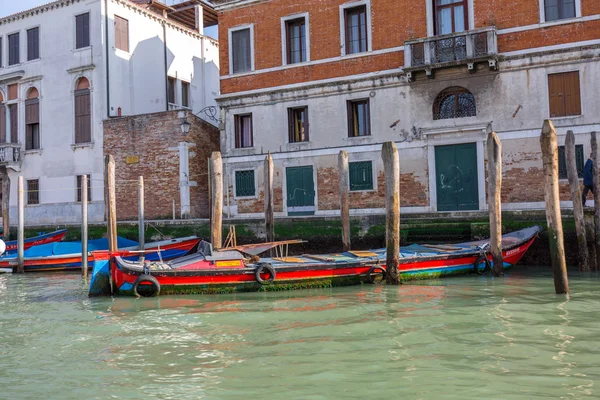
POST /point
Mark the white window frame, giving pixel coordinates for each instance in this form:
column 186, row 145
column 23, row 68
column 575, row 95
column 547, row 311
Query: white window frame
column 542, row 5
column 343, row 8
column 234, row 172
column 230, row 50
column 373, row 176
column 430, row 10
column 284, row 21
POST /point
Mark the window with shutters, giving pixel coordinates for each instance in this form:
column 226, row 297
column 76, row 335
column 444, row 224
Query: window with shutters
column 171, row 89
column 295, row 39
column 361, row 175
column 244, row 184
column 562, row 161
column 12, row 135
column 2, row 120
column 89, row 188
column 33, row 191
column 555, row 10
column 1, row 53
column 32, row 120
column 359, row 118
column 356, row 29
column 185, row 94
column 298, row 124
column 13, row 49
column 83, row 122
column 564, row 94
column 82, row 31
column 243, row 131
column 121, row 33
column 33, row 44
column 241, row 50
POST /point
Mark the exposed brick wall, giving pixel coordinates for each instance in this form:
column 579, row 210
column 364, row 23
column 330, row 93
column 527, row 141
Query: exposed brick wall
column 390, row 28
column 149, row 137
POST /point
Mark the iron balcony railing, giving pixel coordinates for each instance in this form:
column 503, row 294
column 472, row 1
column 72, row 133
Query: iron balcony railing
column 460, row 48
column 10, row 154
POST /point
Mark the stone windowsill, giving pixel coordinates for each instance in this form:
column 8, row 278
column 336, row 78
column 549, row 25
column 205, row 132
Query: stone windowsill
column 32, row 151
column 76, row 146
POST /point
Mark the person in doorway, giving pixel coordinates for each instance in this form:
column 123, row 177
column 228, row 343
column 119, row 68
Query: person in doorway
column 588, row 180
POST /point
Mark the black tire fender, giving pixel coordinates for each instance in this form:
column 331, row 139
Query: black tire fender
column 265, row 268
column 370, row 275
column 480, row 259
column 146, row 278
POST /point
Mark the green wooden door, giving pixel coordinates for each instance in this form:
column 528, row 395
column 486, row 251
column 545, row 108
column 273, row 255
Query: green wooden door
column 456, row 177
column 300, row 191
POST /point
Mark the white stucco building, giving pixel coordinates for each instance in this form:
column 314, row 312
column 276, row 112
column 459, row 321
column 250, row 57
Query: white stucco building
column 68, row 65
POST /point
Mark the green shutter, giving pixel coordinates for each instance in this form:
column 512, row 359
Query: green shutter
column 361, row 175
column 579, row 160
column 562, row 161
column 244, row 184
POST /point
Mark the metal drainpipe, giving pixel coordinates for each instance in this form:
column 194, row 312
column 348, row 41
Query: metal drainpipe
column 107, row 58
column 166, row 66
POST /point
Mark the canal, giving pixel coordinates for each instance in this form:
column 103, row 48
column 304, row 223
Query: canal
column 465, row 338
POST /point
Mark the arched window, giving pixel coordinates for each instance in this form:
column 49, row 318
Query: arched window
column 454, row 102
column 2, row 120
column 32, row 120
column 83, row 122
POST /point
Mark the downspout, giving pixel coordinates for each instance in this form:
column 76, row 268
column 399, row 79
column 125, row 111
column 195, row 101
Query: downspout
column 166, row 66
column 107, row 58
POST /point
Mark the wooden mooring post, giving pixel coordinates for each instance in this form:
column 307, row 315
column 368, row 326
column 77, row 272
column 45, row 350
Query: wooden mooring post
column 594, row 143
column 269, row 206
column 583, row 253
column 344, row 199
column 494, row 148
column 5, row 204
column 84, row 226
column 111, row 202
column 141, row 228
column 21, row 227
column 216, row 211
column 391, row 165
column 549, row 144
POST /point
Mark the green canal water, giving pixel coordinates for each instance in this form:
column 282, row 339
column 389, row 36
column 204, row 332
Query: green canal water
column 458, row 338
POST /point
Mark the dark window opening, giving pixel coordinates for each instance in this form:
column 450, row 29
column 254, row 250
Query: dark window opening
column 83, row 114
column 298, row 124
column 33, row 44
column 13, row 49
column 562, row 161
column 359, row 118
column 555, row 10
column 33, row 191
column 356, row 29
column 296, row 40
column 32, row 124
column 185, row 94
column 244, row 184
column 241, row 51
column 89, row 188
column 454, row 102
column 243, row 131
column 82, row 31
column 171, row 89
column 450, row 16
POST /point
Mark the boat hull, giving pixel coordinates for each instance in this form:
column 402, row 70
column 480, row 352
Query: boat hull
column 213, row 281
column 57, row 236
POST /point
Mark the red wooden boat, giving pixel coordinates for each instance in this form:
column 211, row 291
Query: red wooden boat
column 237, row 269
column 56, row 236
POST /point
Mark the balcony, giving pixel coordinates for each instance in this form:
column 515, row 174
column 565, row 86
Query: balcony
column 470, row 47
column 10, row 156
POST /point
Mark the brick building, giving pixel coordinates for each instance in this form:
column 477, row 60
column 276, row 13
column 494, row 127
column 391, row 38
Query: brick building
column 173, row 163
column 306, row 79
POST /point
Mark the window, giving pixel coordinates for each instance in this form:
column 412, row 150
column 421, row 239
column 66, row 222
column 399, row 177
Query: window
column 454, row 102
column 82, row 31
column 244, row 184
column 361, row 175
column 1, row 52
column 450, row 16
column 559, row 9
column 359, row 118
column 298, row 124
column 2, row 120
column 562, row 161
column 355, row 20
column 33, row 191
column 171, row 89
column 32, row 120
column 89, row 188
column 83, row 122
column 295, row 31
column 13, row 49
column 12, row 136
column 564, row 94
column 121, row 33
column 243, row 131
column 33, row 44
column 185, row 94
column 241, row 51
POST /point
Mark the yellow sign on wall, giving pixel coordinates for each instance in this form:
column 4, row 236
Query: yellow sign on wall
column 132, row 159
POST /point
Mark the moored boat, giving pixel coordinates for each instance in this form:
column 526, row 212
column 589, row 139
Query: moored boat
column 238, row 269
column 67, row 256
column 52, row 237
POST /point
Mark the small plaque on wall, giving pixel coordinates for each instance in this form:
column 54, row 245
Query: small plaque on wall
column 132, row 159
